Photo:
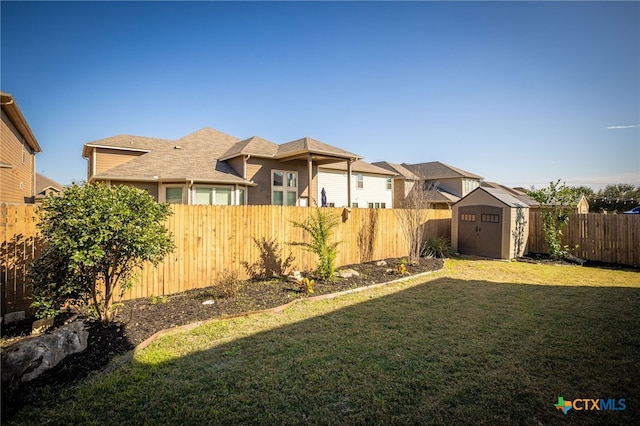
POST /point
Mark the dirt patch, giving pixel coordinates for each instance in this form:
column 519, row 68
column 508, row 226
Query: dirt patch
column 139, row 319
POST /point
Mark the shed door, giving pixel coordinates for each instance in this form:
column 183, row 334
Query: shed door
column 480, row 231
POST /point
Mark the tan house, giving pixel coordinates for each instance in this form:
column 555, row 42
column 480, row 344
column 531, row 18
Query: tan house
column 444, row 185
column 17, row 155
column 211, row 167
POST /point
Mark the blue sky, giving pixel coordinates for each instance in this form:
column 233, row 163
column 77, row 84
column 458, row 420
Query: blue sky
column 519, row 93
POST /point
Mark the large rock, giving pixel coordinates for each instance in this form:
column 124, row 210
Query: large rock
column 28, row 358
column 348, row 273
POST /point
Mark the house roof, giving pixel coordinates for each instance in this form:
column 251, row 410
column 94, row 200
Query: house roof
column 436, row 170
column 43, row 182
column 397, row 169
column 499, row 194
column 305, row 146
column 358, row 166
column 128, row 143
column 11, row 109
column 192, row 157
column 255, row 146
column 522, row 196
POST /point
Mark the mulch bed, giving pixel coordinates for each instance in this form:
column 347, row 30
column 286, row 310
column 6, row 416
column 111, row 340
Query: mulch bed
column 139, row 319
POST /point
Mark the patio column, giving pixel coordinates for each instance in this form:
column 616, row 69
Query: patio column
column 310, row 177
column 349, row 183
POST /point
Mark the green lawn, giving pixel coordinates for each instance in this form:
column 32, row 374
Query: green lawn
column 480, row 342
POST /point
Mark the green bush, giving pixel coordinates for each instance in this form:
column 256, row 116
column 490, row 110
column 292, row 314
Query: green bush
column 320, row 226
column 96, row 236
column 437, row 247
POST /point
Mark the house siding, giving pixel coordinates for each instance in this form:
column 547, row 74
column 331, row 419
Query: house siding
column 18, row 179
column 109, row 158
column 335, row 184
column 150, row 187
column 259, row 171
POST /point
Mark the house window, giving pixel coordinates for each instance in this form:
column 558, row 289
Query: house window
column 470, row 185
column 241, row 197
column 377, row 205
column 331, row 204
column 359, row 181
column 370, row 205
column 389, row 183
column 207, row 196
column 355, row 205
column 173, row 195
column 383, row 205
column 284, row 188
column 468, row 217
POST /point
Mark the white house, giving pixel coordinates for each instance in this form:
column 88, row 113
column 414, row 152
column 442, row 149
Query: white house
column 371, row 186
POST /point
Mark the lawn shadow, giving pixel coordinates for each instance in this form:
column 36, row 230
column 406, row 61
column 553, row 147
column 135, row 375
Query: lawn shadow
column 443, row 352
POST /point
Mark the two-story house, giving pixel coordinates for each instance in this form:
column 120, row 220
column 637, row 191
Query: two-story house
column 17, row 154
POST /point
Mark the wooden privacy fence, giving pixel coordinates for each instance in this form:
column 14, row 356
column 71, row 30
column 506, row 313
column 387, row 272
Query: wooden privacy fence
column 613, row 238
column 211, row 240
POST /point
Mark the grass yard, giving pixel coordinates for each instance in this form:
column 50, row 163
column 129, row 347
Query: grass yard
column 480, row 342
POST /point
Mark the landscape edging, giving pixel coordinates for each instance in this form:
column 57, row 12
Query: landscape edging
column 187, row 327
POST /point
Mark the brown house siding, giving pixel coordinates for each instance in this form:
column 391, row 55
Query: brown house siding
column 150, row 187
column 259, row 171
column 18, row 178
column 109, row 158
column 237, row 164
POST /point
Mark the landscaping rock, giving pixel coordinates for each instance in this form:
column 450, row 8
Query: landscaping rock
column 295, row 277
column 41, row 325
column 381, row 263
column 28, row 358
column 209, row 302
column 13, row 317
column 348, row 273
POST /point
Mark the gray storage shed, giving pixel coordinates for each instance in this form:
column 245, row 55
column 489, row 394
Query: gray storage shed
column 490, row 222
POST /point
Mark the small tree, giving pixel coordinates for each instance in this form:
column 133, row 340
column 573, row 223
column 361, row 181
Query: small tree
column 412, row 216
column 555, row 202
column 319, row 226
column 95, row 237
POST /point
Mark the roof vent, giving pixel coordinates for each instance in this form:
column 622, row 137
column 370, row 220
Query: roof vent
column 177, row 147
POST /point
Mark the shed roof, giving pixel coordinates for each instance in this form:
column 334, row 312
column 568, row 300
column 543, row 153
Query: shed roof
column 499, row 194
column 522, row 196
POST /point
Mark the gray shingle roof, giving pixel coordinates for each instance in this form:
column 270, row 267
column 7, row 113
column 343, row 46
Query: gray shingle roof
column 398, row 169
column 312, row 146
column 255, row 146
column 358, row 166
column 501, row 195
column 43, row 182
column 437, row 170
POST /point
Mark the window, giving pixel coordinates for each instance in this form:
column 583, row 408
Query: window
column 370, row 205
column 241, row 197
column 389, row 183
column 377, row 205
column 284, row 188
column 468, row 217
column 383, row 205
column 331, row 204
column 207, row 196
column 470, row 185
column 355, row 205
column 490, row 218
column 359, row 181
column 24, row 152
column 173, row 195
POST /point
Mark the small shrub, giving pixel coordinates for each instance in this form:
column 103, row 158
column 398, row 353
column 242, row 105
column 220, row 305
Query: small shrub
column 319, row 227
column 228, row 285
column 307, row 285
column 401, row 268
column 437, row 247
column 271, row 263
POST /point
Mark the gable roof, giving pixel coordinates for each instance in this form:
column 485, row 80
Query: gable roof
column 397, row 169
column 306, row 146
column 13, row 112
column 128, row 143
column 358, row 166
column 499, row 194
column 43, row 182
column 514, row 192
column 436, row 170
column 255, row 146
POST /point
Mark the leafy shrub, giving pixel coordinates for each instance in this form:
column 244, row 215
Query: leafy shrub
column 307, row 285
column 271, row 263
column 96, row 236
column 437, row 247
column 319, row 227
